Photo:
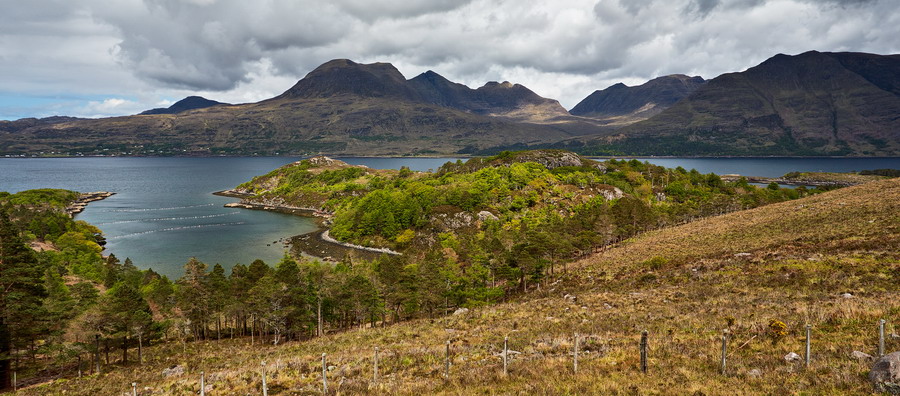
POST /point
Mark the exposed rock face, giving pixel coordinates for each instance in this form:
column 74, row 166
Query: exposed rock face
column 485, row 215
column 885, row 374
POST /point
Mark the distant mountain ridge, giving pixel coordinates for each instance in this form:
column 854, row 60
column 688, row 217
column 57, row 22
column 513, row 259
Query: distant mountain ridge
column 622, row 104
column 188, row 103
column 813, row 103
column 809, row 104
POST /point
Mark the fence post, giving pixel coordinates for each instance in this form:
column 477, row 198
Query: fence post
column 375, row 376
column 505, row 355
column 134, row 389
column 265, row 388
column 808, row 342
column 15, row 382
column 202, row 384
column 447, row 367
column 724, row 350
column 881, row 338
column 644, row 351
column 575, row 357
column 324, row 376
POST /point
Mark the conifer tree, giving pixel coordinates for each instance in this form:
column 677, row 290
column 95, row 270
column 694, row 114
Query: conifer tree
column 21, row 292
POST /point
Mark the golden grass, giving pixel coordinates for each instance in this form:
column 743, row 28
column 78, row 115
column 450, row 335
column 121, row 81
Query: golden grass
column 789, row 261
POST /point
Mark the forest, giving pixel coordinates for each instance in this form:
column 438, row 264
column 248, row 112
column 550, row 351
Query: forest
column 471, row 233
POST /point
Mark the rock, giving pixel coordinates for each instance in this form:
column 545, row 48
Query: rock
column 571, row 298
column 885, row 374
column 862, row 356
column 742, row 254
column 612, row 193
column 755, row 373
column 792, row 357
column 461, row 311
column 847, row 295
column 172, row 371
column 485, row 215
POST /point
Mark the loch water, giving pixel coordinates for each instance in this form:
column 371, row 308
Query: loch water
column 164, row 212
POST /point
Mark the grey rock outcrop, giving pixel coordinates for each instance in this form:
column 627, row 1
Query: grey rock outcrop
column 885, row 374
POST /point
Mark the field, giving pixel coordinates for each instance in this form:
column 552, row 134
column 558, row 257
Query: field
column 831, row 260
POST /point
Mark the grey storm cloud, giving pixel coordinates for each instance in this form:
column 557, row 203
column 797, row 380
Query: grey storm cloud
column 245, row 50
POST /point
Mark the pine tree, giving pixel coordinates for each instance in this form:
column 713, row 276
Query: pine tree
column 21, row 292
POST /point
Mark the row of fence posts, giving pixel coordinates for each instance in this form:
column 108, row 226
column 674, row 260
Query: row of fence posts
column 505, row 356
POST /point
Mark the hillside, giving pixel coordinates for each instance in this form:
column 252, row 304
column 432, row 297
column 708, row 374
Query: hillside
column 340, row 107
column 813, row 103
column 623, row 105
column 788, row 262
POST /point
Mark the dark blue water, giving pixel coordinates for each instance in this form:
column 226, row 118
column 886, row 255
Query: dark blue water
column 164, row 212
column 775, row 167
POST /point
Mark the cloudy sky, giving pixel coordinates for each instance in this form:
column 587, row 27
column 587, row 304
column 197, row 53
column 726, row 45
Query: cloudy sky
column 94, row 58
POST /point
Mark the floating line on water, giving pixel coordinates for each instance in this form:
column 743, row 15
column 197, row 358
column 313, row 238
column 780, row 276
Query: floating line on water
column 168, row 219
column 175, row 229
column 154, row 209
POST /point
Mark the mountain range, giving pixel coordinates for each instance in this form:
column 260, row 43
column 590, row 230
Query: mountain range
column 809, row 104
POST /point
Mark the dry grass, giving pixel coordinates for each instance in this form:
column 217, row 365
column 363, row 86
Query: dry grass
column 789, row 261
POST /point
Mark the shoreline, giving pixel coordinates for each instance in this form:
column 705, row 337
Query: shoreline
column 316, row 243
column 84, row 199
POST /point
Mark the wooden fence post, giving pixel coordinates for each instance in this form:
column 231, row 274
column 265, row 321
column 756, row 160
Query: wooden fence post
column 881, row 338
column 375, row 375
column 324, row 376
column 134, row 389
column 505, row 355
column 575, row 356
column 265, row 388
column 447, row 366
column 644, row 351
column 724, row 350
column 808, row 346
column 202, row 384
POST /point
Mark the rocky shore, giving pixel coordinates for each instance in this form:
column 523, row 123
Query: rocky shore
column 84, row 199
column 317, row 243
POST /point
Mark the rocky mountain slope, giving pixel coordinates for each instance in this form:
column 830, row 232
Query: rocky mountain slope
column 810, row 104
column 624, row 105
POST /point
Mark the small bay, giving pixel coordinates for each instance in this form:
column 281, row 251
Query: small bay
column 164, row 211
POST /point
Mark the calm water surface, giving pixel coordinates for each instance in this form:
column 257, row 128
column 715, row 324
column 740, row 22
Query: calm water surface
column 164, row 212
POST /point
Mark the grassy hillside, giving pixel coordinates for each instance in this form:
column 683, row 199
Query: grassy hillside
column 788, row 262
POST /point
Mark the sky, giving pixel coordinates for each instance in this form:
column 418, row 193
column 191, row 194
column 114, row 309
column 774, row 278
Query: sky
column 99, row 58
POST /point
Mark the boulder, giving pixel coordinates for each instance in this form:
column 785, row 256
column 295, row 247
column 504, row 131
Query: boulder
column 461, row 311
column 755, row 373
column 792, row 357
column 846, row 295
column 172, row 371
column 485, row 215
column 862, row 356
column 885, row 374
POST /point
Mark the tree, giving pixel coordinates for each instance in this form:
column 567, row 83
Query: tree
column 21, row 292
column 193, row 296
column 124, row 310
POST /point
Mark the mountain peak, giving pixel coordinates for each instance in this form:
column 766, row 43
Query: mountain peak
column 623, row 104
column 188, row 103
column 345, row 77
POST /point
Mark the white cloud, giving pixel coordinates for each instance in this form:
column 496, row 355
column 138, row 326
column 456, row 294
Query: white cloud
column 239, row 51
